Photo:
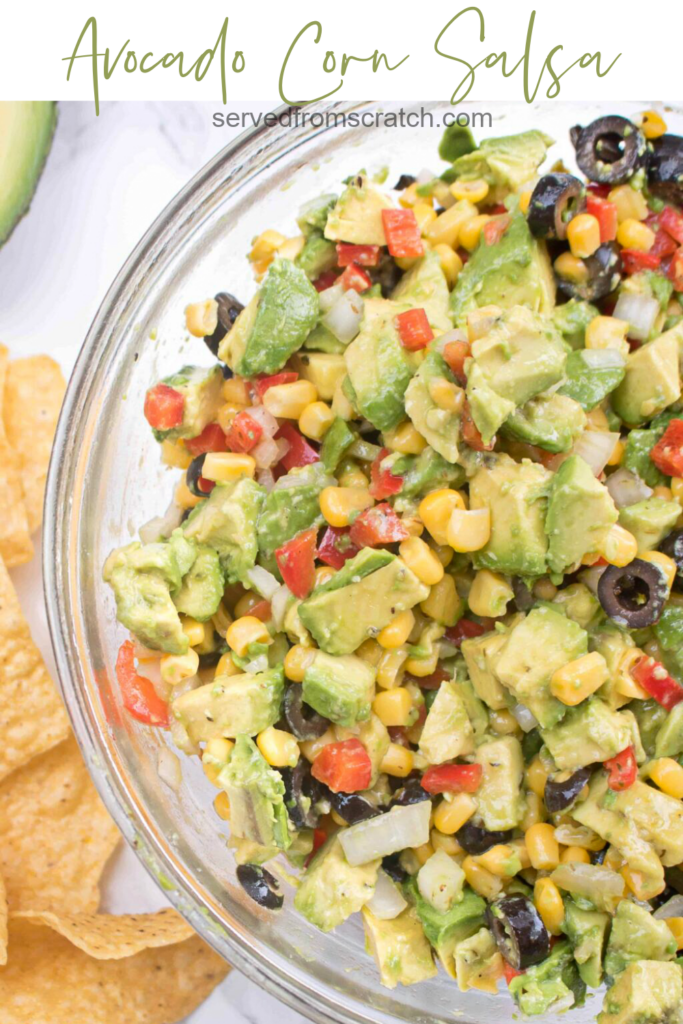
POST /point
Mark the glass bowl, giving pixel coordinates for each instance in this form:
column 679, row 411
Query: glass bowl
column 106, row 479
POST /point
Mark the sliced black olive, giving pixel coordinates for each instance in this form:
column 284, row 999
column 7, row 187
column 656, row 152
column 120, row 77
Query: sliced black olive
column 193, row 476
column 302, row 793
column 185, row 515
column 303, row 721
column 604, row 270
column 260, row 885
column 519, row 932
column 634, row 595
column 353, row 807
column 226, row 371
column 558, row 795
column 532, row 742
column 674, row 878
column 673, row 547
column 405, row 181
column 392, row 866
column 410, row 793
column 556, row 197
column 663, row 897
column 386, row 274
column 609, row 150
column 665, row 169
column 598, row 856
column 229, row 308
column 524, row 599
column 475, row 840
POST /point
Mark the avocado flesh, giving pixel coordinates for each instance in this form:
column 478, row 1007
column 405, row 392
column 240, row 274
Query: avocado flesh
column 447, row 732
column 26, row 130
column 636, row 935
column 331, row 889
column 478, row 964
column 480, row 655
column 425, row 286
column 650, row 521
column 231, row 705
column 339, row 688
column 445, row 931
column 652, row 380
column 226, row 521
column 581, row 513
column 590, row 732
column 554, row 984
column 287, row 510
column 587, row 932
column 400, row 948
column 439, row 427
column 647, row 992
column 202, row 398
column 256, row 793
column 202, row 588
column 550, row 422
column 499, row 796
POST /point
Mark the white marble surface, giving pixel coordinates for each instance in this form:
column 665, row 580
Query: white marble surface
column 105, row 181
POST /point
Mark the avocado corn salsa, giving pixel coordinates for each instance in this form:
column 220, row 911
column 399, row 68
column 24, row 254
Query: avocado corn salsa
column 417, row 603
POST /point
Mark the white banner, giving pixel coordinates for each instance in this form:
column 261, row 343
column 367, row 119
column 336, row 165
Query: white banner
column 305, row 50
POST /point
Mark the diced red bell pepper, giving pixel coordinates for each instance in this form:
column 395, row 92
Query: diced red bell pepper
column 326, row 280
column 296, row 562
column 414, row 330
column 452, row 778
column 378, row 525
column 634, row 260
column 204, row 485
column 654, row 678
column 606, row 215
column 430, row 682
column 663, row 245
column 496, row 209
column 164, row 407
column 667, row 454
column 675, row 271
column 465, row 629
column 402, row 233
column 623, row 769
column 363, row 255
column 319, row 839
column 300, row 453
column 261, row 384
column 211, row 439
column 494, row 229
column 672, row 222
column 510, row 972
column 261, row 610
column 599, row 190
column 344, row 767
column 336, row 547
column 383, row 483
column 354, row 277
column 245, row 432
column 138, row 693
column 455, row 354
column 470, row 432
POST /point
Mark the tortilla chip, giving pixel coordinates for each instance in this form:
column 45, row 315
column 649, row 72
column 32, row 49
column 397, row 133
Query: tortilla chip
column 15, row 542
column 112, row 937
column 49, row 979
column 3, row 923
column 55, row 834
column 32, row 717
column 34, row 391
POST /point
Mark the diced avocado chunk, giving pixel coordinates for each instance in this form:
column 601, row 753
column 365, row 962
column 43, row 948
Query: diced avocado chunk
column 376, row 582
column 478, row 963
column 226, row 521
column 551, row 986
column 589, row 379
column 332, row 889
column 274, row 324
column 379, row 367
column 648, row 992
column 374, row 736
column 587, row 932
column 446, row 931
column 202, row 587
column 321, row 339
column 256, row 793
column 514, row 271
column 650, row 521
column 518, row 666
column 325, row 370
column 400, row 948
column 447, row 731
column 612, row 643
column 426, row 472
column 26, row 129
column 499, row 796
column 636, row 935
column 201, row 391
column 231, row 705
column 515, row 494
column 480, row 654
column 425, row 286
column 312, row 216
column 456, row 140
column 652, row 380
column 291, row 507
column 339, row 688
column 439, row 427
column 581, row 513
column 337, row 440
column 488, row 409
column 590, row 732
column 317, row 256
column 357, row 215
column 507, row 162
column 669, row 740
column 552, row 422
column 578, row 603
column 572, row 319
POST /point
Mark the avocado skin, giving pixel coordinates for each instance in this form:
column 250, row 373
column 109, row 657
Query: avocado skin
column 23, row 174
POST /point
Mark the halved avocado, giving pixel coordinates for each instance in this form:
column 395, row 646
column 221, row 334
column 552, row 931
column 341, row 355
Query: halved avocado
column 26, row 130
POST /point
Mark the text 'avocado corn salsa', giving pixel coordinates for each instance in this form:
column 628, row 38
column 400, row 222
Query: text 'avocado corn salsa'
column 417, row 604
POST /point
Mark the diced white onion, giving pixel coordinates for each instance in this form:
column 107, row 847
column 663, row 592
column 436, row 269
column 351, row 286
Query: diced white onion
column 389, row 833
column 161, row 526
column 168, row 769
column 184, row 686
column 344, row 318
column 259, row 664
column 266, row 453
column 596, row 448
column 639, row 312
column 305, row 475
column 525, row 718
column 599, row 884
column 263, row 582
column 672, row 908
column 602, row 358
column 266, row 479
column 591, row 577
column 440, row 881
column 386, row 902
column 146, row 653
column 445, row 339
column 627, row 488
column 265, row 419
column 329, row 296
column 425, row 176
column 278, row 606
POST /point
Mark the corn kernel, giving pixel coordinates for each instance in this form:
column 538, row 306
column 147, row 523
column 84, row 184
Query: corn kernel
column 413, row 525
column 571, row 268
column 311, row 748
column 226, row 415
column 425, row 214
column 476, row 190
column 469, row 530
column 663, row 562
column 423, row 853
column 405, row 439
column 617, row 455
column 201, row 318
column 634, row 235
column 663, row 492
column 175, row 455
column 221, row 806
column 398, row 761
column 246, row 631
column 236, row 391
column 574, row 855
column 549, row 904
column 409, row 197
column 536, row 777
column 316, row 420
column 297, row 660
column 445, row 229
column 397, row 632
column 422, row 667
column 279, row 748
column 291, row 247
column 371, row 652
column 579, row 678
column 443, row 603
column 470, row 231
column 266, row 245
column 184, row 497
column 226, row 666
column 193, row 630
column 504, row 722
column 543, row 847
column 652, row 124
column 349, row 474
column 176, row 667
column 535, row 810
column 449, row 844
column 482, row 881
column 619, row 546
column 221, row 620
column 525, row 201
column 451, row 815
column 499, row 860
column 323, row 574
column 676, row 928
column 227, row 466
column 489, row 594
column 639, row 884
column 391, row 667
column 677, row 488
column 607, row 332
column 338, row 504
column 583, row 235
column 450, row 261
column 288, row 401
column 218, row 749
column 630, row 204
column 667, row 774
column 446, row 395
column 596, row 419
column 393, row 707
column 421, row 560
column 435, row 512
column 624, row 683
